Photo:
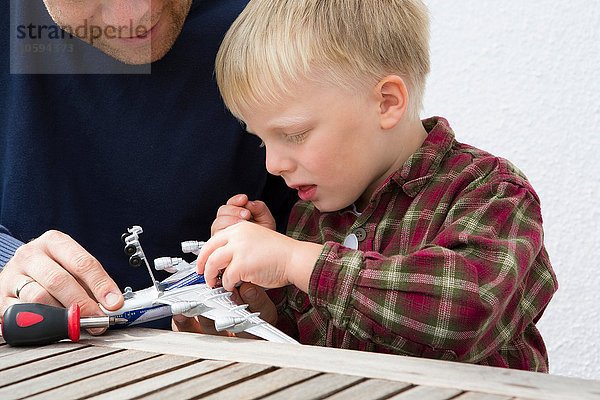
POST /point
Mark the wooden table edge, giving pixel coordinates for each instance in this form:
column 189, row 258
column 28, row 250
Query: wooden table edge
column 411, row 370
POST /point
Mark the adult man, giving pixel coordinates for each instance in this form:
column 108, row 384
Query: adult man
column 83, row 156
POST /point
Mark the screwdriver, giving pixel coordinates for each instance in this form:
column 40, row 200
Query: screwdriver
column 28, row 324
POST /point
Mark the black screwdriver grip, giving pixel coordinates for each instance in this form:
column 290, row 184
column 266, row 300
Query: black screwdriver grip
column 29, row 324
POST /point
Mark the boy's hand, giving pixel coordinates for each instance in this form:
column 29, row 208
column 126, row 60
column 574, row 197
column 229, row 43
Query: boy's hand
column 239, row 208
column 247, row 252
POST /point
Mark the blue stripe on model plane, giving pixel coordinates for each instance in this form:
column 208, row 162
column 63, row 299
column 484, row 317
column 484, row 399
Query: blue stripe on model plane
column 191, row 279
column 133, row 315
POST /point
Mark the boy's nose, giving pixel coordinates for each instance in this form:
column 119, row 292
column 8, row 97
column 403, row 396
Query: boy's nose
column 127, row 14
column 277, row 163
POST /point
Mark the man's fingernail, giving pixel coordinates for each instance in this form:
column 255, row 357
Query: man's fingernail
column 245, row 214
column 251, row 294
column 111, row 299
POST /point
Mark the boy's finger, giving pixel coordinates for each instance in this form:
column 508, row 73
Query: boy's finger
column 232, row 211
column 216, row 262
column 224, row 222
column 230, row 278
column 239, row 200
column 259, row 210
column 208, row 248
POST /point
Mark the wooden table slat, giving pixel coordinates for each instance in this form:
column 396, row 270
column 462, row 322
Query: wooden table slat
column 47, row 365
column 317, row 388
column 481, row 396
column 213, row 381
column 155, row 383
column 65, row 376
column 30, row 354
column 427, row 393
column 141, row 363
column 6, row 350
column 263, row 384
column 372, row 388
column 113, row 379
column 417, row 371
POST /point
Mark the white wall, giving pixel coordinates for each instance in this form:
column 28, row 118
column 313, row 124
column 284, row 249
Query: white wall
column 520, row 79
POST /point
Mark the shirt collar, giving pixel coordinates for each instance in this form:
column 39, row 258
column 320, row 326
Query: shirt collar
column 425, row 162
column 416, row 172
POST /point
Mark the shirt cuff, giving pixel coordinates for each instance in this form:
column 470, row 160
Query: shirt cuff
column 333, row 281
column 8, row 246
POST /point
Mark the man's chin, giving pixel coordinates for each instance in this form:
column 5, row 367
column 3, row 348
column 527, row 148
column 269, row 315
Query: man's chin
column 133, row 56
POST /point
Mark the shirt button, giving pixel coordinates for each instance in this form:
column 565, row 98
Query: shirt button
column 351, row 242
column 361, row 234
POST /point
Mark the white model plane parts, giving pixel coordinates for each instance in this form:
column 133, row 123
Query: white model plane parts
column 185, row 292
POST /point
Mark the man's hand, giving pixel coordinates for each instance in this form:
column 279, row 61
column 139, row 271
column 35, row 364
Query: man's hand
column 247, row 252
column 238, row 209
column 247, row 293
column 61, row 273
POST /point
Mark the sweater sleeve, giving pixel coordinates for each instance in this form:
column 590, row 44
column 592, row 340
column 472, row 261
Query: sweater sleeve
column 8, row 246
column 483, row 278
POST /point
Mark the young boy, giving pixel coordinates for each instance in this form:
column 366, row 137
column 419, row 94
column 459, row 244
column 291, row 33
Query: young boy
column 404, row 240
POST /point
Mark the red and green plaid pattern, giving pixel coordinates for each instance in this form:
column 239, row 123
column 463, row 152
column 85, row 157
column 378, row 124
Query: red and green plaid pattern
column 451, row 264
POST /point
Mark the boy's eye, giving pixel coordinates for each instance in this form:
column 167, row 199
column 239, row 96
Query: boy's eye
column 297, row 138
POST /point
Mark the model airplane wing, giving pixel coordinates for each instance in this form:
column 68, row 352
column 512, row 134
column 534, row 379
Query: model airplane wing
column 185, row 292
column 217, row 305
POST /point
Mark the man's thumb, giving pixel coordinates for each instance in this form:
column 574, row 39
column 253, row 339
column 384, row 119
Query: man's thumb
column 181, row 323
column 258, row 301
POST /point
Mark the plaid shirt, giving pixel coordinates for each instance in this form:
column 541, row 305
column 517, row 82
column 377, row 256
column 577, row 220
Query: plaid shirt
column 450, row 263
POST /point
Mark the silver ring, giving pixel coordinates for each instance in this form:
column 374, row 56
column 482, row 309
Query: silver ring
column 20, row 287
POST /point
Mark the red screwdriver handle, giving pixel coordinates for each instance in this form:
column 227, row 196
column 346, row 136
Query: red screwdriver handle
column 27, row 324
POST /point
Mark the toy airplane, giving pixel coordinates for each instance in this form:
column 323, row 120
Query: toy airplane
column 185, row 292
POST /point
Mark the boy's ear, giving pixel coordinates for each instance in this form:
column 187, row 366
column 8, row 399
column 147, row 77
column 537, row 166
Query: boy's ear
column 392, row 94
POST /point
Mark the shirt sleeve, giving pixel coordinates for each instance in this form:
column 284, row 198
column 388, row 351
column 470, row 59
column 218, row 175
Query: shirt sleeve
column 8, row 246
column 484, row 276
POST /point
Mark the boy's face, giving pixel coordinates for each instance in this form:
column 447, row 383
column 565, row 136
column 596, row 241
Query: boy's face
column 325, row 142
column 134, row 32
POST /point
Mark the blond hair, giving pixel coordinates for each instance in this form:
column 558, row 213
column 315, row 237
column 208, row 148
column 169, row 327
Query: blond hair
column 350, row 43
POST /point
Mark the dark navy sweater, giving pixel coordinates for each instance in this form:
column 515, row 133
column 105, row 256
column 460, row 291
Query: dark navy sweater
column 91, row 155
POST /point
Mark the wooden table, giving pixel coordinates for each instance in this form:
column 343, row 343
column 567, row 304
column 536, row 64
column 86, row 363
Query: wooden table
column 148, row 364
